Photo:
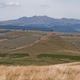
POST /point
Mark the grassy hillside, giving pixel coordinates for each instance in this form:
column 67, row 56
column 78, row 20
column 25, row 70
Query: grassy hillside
column 15, row 39
column 54, row 43
column 38, row 48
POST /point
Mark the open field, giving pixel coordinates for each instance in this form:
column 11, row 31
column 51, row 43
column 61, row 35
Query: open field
column 19, row 47
column 41, row 59
column 69, row 71
column 53, row 42
column 15, row 39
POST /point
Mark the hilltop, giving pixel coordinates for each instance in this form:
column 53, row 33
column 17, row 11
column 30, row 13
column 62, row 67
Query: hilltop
column 54, row 43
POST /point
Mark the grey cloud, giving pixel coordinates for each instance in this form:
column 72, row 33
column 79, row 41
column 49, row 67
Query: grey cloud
column 9, row 4
column 44, row 6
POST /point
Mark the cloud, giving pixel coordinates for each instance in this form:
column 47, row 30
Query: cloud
column 9, row 4
column 44, row 5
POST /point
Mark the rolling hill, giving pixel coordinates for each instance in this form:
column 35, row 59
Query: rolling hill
column 54, row 43
column 42, row 23
column 18, row 47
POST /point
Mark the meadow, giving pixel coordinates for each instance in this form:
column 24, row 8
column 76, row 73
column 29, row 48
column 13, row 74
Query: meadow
column 19, row 47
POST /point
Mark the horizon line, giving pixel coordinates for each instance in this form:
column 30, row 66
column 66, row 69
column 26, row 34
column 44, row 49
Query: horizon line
column 40, row 16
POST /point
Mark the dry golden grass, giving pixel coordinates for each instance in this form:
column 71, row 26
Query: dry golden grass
column 53, row 72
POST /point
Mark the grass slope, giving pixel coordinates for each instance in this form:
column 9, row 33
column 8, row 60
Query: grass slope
column 38, row 48
column 54, row 44
column 16, row 39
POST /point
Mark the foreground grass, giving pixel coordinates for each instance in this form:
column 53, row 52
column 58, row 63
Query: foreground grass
column 53, row 72
column 41, row 59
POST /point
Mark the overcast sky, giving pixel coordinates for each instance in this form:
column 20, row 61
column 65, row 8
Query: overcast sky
column 12, row 9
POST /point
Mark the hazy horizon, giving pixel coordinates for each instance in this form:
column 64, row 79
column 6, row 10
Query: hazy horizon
column 38, row 16
column 13, row 9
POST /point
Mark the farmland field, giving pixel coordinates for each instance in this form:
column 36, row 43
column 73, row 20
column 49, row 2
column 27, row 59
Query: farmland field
column 15, row 39
column 19, row 47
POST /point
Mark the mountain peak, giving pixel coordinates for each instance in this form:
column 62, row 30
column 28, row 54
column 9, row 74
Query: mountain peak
column 24, row 17
column 37, row 17
column 41, row 16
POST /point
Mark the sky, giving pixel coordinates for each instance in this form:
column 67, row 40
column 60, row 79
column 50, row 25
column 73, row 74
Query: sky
column 13, row 9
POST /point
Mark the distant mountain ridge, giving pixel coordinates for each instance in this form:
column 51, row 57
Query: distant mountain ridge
column 43, row 23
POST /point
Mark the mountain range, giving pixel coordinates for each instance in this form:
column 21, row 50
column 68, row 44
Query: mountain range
column 42, row 23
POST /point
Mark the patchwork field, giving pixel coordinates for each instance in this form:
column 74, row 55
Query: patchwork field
column 69, row 71
column 16, row 39
column 18, row 47
column 54, row 42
